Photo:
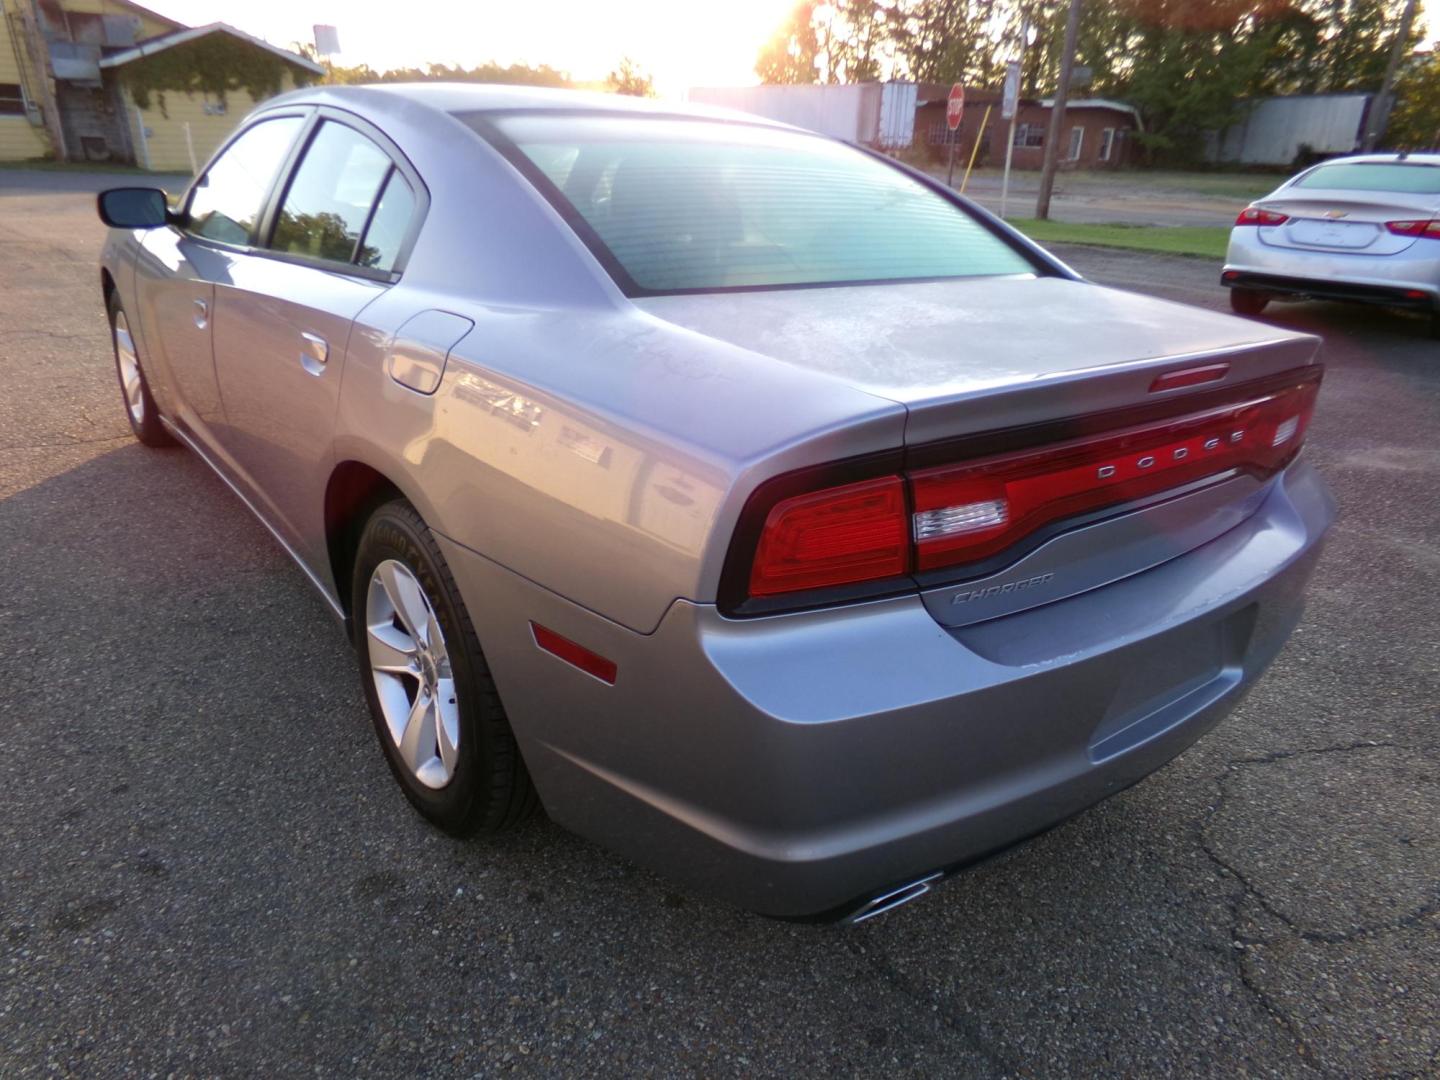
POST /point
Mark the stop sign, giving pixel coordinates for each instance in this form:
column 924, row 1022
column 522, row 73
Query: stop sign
column 955, row 106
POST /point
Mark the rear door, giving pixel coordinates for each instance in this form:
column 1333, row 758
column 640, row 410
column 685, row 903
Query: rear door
column 332, row 242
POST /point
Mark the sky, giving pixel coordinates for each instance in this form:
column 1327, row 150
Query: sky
column 682, row 43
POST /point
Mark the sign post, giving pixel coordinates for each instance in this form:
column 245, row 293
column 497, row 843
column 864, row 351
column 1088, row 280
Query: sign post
column 1009, row 106
column 954, row 112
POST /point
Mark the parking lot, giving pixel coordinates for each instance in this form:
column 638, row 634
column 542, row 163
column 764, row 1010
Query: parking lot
column 205, row 867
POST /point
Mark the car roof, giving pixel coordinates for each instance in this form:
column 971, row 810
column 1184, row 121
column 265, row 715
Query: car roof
column 464, row 97
column 1383, row 159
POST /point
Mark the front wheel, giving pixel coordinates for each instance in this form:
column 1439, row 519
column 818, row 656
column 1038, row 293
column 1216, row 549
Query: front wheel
column 140, row 407
column 1248, row 301
column 436, row 711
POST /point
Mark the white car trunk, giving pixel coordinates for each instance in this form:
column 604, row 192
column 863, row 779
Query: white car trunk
column 1344, row 221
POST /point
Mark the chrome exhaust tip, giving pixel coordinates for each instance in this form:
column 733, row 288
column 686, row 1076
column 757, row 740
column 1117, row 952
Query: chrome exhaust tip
column 889, row 901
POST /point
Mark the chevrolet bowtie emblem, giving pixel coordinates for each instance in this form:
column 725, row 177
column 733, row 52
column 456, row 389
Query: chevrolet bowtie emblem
column 1333, row 214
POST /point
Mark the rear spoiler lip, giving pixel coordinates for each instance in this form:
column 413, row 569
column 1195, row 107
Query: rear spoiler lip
column 1103, row 389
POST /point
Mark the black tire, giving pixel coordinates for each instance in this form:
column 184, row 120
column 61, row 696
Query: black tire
column 148, row 428
column 490, row 789
column 1248, row 301
column 1435, row 325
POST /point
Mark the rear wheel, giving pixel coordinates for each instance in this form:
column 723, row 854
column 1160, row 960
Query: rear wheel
column 436, row 711
column 1435, row 325
column 140, row 407
column 1248, row 301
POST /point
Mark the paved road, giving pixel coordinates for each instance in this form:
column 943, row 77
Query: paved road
column 204, row 867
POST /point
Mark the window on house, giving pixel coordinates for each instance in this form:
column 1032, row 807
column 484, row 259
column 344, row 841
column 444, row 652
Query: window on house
column 1107, row 143
column 1077, row 142
column 12, row 100
column 1029, row 135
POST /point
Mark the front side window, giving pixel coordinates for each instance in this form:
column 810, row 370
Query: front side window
column 329, row 200
column 1395, row 177
column 228, row 200
column 677, row 205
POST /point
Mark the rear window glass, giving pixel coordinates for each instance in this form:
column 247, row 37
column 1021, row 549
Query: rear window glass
column 1375, row 176
column 694, row 205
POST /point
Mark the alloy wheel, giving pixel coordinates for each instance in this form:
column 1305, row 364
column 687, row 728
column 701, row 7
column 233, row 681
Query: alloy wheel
column 129, row 364
column 414, row 682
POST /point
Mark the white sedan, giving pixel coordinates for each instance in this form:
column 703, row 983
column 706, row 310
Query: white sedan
column 1363, row 228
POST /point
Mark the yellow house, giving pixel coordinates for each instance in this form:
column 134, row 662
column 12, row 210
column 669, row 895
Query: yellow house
column 109, row 80
column 185, row 91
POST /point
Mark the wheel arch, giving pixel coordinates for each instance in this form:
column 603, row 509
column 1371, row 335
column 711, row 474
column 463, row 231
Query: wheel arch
column 355, row 489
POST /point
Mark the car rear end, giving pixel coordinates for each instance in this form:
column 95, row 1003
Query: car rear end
column 1364, row 230
column 1084, row 535
column 915, row 658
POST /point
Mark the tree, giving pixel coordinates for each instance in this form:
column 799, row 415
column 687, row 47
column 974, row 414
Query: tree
column 789, row 57
column 1415, row 120
column 630, row 80
column 837, row 41
column 512, row 74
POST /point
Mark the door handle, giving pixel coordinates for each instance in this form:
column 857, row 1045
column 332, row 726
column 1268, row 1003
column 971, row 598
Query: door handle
column 202, row 314
column 314, row 352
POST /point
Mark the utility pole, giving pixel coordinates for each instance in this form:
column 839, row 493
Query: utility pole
column 1379, row 114
column 39, row 50
column 1057, row 113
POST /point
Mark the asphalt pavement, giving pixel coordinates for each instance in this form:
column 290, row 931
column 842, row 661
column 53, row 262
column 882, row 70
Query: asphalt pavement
column 206, row 869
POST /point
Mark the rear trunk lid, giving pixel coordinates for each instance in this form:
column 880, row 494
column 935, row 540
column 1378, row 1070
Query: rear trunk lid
column 1344, row 221
column 977, row 355
column 970, row 359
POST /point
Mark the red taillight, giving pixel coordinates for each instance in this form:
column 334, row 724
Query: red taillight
column 856, row 532
column 805, row 539
column 1429, row 229
column 974, row 510
column 1253, row 215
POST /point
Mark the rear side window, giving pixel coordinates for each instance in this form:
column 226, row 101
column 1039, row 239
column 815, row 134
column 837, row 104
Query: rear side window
column 328, row 203
column 228, row 199
column 679, row 205
column 389, row 224
column 1395, row 177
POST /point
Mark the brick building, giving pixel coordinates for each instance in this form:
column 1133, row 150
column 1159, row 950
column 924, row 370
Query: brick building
column 1099, row 134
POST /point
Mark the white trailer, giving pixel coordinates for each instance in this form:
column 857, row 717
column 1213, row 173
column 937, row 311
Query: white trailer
column 871, row 114
column 1272, row 131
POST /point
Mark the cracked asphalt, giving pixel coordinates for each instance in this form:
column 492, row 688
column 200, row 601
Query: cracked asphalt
column 205, row 869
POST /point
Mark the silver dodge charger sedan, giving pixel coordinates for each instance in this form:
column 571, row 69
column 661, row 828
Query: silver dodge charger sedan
column 762, row 509
column 1364, row 228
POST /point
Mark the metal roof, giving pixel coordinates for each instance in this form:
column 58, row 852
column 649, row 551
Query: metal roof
column 180, row 37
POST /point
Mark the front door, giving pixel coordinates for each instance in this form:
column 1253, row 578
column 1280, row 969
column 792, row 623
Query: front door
column 177, row 276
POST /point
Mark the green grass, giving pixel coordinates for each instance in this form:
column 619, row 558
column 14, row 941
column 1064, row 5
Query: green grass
column 1201, row 241
column 46, row 165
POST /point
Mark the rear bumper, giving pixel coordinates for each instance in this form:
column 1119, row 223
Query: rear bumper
column 1373, row 279
column 800, row 764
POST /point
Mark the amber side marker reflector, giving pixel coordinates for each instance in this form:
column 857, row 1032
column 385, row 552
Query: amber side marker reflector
column 577, row 655
column 1174, row 380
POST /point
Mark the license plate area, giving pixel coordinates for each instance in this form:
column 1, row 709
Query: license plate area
column 1170, row 679
column 1349, row 235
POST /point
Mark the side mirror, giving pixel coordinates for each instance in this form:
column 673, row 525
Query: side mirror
column 133, row 208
